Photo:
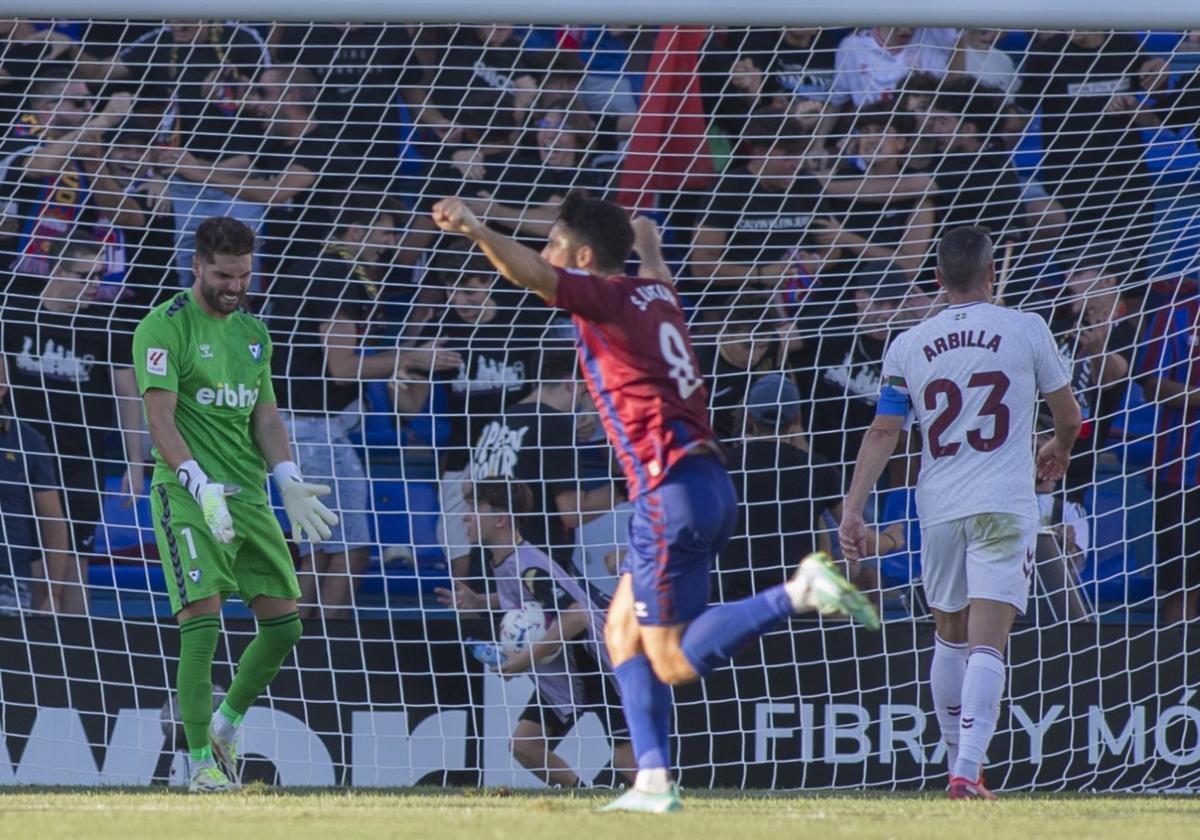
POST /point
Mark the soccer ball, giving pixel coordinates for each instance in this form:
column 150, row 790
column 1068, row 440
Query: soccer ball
column 521, row 627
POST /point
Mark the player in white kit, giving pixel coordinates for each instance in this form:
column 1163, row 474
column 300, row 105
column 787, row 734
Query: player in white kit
column 971, row 375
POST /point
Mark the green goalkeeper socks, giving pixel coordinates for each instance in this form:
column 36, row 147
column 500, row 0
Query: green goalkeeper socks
column 260, row 663
column 193, row 681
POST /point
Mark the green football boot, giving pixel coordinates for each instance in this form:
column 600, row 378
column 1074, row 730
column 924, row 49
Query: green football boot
column 818, row 585
column 636, row 801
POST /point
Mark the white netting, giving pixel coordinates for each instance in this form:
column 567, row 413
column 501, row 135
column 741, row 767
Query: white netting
column 800, row 178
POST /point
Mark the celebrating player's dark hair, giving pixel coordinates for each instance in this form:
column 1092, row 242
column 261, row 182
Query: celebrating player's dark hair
column 601, row 225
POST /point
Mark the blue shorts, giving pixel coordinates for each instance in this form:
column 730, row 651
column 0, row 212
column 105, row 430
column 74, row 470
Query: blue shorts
column 674, row 535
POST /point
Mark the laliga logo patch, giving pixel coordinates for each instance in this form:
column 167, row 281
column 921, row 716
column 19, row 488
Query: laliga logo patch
column 156, row 361
column 256, row 351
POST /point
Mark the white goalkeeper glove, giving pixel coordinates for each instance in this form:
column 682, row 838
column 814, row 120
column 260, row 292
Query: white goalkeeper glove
column 211, row 498
column 310, row 519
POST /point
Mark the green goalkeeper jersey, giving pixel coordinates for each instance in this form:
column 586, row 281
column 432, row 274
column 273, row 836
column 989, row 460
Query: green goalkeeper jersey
column 220, row 368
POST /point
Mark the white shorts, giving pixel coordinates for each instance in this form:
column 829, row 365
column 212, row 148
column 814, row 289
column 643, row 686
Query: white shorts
column 452, row 524
column 988, row 556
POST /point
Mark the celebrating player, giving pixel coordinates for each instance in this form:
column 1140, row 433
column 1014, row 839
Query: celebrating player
column 204, row 370
column 641, row 371
column 972, row 373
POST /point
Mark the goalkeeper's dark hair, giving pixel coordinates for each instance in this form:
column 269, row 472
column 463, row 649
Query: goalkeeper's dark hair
column 499, row 495
column 223, row 235
column 601, row 225
column 964, row 257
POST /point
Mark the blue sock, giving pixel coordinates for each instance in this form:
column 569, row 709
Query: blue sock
column 647, row 703
column 718, row 632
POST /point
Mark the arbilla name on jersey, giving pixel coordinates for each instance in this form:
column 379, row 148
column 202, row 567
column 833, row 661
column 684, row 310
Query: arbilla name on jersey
column 960, row 339
column 225, row 395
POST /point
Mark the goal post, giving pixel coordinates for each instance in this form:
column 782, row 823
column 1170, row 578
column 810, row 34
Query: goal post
column 800, row 159
column 1174, row 14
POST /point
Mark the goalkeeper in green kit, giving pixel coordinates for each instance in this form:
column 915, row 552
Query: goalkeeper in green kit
column 204, row 370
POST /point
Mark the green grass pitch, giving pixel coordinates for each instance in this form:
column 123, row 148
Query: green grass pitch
column 264, row 814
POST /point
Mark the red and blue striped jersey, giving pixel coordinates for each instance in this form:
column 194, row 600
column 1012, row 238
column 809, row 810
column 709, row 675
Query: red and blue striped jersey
column 640, row 368
column 1172, row 351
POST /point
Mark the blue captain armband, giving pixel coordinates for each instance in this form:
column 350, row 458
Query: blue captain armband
column 893, row 402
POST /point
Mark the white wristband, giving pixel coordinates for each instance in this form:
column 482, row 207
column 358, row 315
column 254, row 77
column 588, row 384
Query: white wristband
column 192, row 477
column 286, row 471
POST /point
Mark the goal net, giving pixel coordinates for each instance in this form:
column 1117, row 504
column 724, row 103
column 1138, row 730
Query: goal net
column 799, row 179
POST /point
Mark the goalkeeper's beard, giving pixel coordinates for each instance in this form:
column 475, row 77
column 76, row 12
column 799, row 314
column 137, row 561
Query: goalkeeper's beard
column 219, row 300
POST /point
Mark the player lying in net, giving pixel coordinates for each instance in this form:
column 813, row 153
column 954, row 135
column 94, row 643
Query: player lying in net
column 641, row 371
column 568, row 683
column 971, row 375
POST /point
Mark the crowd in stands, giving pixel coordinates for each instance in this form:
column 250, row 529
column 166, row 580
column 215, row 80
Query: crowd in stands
column 832, row 161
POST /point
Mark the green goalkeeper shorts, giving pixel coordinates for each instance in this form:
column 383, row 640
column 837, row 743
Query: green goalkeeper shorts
column 196, row 566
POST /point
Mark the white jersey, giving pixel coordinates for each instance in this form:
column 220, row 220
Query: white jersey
column 972, row 374
column 866, row 71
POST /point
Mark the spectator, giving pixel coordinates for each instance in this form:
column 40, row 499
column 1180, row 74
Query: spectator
column 915, row 97
column 549, row 163
column 321, row 314
column 883, row 216
column 64, row 363
column 1172, row 154
column 759, row 214
column 200, row 73
column 533, row 442
column 1169, row 371
column 976, row 57
column 599, row 57
column 802, row 61
column 358, row 70
column 478, row 58
column 870, row 63
column 300, row 173
column 570, row 666
column 52, row 182
column 498, row 334
column 785, row 493
column 146, row 232
column 29, row 491
column 735, row 82
column 477, row 167
column 28, row 53
column 1083, row 82
column 976, row 181
column 747, row 345
column 841, row 371
column 1096, row 338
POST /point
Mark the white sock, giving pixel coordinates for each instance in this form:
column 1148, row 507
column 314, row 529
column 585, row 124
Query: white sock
column 982, row 688
column 946, row 684
column 657, row 780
